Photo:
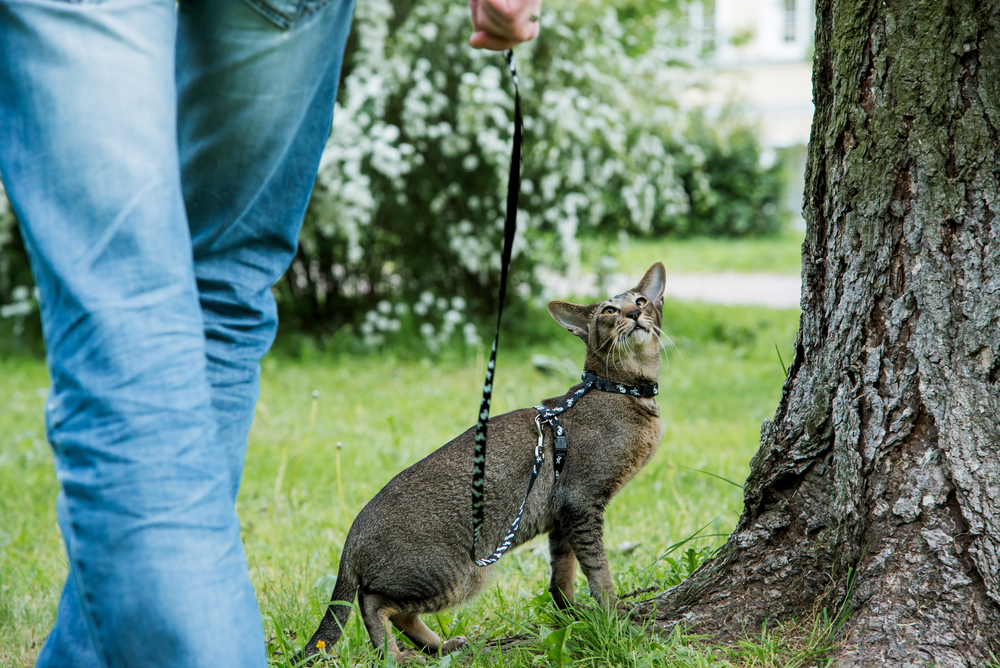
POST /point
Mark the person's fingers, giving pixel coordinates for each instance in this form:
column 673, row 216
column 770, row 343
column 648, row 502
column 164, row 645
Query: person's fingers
column 513, row 19
column 504, row 23
column 484, row 40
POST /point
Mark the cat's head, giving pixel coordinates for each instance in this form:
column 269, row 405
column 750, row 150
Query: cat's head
column 622, row 333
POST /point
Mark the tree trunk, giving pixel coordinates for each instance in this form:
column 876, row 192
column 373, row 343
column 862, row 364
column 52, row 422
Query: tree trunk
column 883, row 458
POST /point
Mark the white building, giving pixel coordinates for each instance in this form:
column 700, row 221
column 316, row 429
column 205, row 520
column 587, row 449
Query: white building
column 759, row 56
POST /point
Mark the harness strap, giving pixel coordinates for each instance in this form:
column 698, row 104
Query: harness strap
column 550, row 416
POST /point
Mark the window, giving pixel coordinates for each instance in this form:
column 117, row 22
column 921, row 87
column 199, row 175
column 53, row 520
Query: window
column 789, row 15
column 700, row 32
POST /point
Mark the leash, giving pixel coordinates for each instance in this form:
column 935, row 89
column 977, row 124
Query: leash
column 509, row 228
column 550, row 416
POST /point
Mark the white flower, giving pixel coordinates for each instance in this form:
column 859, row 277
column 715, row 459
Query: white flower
column 470, row 334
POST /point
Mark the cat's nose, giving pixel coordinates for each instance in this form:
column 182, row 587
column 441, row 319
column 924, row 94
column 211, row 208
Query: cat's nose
column 633, row 313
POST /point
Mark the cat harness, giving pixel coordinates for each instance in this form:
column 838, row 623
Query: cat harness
column 550, row 416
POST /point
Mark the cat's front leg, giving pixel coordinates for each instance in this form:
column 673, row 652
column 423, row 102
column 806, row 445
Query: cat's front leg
column 584, row 531
column 563, row 562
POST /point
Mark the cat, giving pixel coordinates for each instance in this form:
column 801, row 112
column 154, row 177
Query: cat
column 408, row 550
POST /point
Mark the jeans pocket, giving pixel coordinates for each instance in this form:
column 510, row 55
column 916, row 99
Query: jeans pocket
column 287, row 13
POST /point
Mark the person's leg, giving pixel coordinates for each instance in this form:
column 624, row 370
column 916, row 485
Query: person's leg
column 255, row 109
column 89, row 159
column 73, row 638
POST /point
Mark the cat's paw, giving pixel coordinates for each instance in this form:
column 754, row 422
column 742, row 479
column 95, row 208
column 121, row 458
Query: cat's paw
column 454, row 643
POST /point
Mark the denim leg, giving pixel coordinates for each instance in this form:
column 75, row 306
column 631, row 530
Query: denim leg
column 73, row 638
column 255, row 108
column 89, row 158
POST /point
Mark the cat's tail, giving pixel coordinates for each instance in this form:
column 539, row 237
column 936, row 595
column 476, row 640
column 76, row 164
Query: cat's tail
column 337, row 612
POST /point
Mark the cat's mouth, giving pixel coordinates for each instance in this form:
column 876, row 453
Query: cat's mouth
column 637, row 328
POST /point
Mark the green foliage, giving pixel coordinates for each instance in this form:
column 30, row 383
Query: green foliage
column 20, row 328
column 668, row 571
column 744, row 196
column 389, row 412
column 409, row 201
column 401, row 240
column 773, row 254
column 32, row 561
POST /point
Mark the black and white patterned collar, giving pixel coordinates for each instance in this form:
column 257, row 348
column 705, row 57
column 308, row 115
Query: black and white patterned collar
column 647, row 390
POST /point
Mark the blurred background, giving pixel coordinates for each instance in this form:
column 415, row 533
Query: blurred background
column 654, row 130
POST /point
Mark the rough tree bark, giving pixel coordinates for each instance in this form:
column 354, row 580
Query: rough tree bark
column 883, row 453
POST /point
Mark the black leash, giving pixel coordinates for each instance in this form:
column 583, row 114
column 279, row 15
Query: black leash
column 550, row 416
column 510, row 227
column 545, row 414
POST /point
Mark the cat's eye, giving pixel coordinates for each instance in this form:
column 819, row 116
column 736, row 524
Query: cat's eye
column 609, row 310
column 640, row 302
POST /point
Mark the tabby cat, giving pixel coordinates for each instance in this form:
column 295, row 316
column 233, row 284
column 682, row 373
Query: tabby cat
column 408, row 551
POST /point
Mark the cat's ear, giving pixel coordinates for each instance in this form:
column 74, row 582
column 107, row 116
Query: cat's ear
column 573, row 317
column 653, row 284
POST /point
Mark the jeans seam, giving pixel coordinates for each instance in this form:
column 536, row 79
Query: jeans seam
column 282, row 20
column 81, row 592
column 308, row 14
column 271, row 14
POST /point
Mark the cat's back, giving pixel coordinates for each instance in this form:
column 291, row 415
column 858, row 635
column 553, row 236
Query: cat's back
column 433, row 496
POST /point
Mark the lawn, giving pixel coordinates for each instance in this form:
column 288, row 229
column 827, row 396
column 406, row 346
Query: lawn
column 780, row 254
column 721, row 381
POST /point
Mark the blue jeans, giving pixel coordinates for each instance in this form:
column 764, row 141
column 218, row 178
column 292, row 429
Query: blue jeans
column 160, row 159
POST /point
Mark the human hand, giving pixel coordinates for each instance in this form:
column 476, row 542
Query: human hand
column 502, row 24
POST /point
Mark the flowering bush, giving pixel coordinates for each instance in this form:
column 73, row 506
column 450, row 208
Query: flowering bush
column 408, row 205
column 403, row 233
column 18, row 305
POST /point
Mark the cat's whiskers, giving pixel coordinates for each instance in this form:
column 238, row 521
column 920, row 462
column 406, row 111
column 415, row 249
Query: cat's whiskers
column 663, row 346
column 619, row 339
column 623, row 353
column 606, row 341
column 659, row 330
column 673, row 345
column 622, row 344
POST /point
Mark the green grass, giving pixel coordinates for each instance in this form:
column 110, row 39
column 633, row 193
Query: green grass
column 723, row 379
column 781, row 254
